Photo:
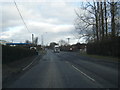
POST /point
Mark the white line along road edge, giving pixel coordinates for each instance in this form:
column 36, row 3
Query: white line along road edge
column 30, row 63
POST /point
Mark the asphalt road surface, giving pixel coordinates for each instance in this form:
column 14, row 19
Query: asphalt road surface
column 69, row 70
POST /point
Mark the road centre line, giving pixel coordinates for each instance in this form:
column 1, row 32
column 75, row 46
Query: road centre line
column 30, row 63
column 83, row 73
column 66, row 61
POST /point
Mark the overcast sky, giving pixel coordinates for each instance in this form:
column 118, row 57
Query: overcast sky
column 54, row 17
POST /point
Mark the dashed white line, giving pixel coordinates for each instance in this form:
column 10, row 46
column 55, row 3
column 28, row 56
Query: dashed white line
column 66, row 61
column 83, row 73
column 30, row 63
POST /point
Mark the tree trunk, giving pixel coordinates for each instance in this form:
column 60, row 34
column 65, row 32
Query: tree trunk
column 99, row 20
column 102, row 20
column 106, row 27
column 96, row 19
column 112, row 5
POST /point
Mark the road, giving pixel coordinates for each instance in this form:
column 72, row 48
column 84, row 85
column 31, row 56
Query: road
column 69, row 70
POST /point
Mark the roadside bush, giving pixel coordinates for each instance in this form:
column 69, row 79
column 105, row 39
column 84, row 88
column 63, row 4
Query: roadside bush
column 10, row 54
column 105, row 47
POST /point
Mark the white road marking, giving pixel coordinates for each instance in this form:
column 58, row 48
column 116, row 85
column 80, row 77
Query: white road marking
column 83, row 73
column 30, row 63
column 66, row 61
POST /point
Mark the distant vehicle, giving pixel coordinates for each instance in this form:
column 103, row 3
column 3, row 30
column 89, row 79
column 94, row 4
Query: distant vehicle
column 56, row 49
column 71, row 49
column 33, row 48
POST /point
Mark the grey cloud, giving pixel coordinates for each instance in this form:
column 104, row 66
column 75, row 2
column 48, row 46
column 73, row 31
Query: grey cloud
column 55, row 19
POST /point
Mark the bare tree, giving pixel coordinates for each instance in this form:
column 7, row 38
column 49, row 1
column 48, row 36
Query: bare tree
column 102, row 19
column 106, row 25
column 89, row 23
column 63, row 43
column 27, row 41
column 95, row 23
column 113, row 12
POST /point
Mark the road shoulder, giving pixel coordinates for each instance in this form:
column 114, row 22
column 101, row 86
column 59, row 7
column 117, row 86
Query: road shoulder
column 12, row 71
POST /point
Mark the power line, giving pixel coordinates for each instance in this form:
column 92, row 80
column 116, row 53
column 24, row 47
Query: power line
column 21, row 17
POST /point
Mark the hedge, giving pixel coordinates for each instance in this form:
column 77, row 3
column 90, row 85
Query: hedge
column 10, row 53
column 105, row 47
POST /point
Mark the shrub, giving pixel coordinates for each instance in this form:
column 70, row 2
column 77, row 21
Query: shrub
column 106, row 47
column 10, row 54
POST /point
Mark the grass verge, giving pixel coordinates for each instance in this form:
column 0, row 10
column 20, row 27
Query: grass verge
column 101, row 57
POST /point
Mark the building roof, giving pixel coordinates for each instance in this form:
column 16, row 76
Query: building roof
column 18, row 43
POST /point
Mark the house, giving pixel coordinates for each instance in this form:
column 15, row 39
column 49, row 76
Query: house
column 79, row 47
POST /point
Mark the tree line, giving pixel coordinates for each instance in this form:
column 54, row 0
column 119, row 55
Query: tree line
column 11, row 54
column 99, row 22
